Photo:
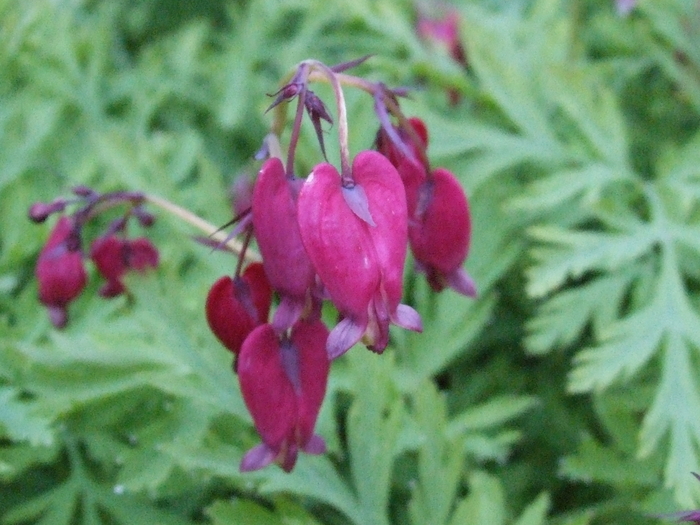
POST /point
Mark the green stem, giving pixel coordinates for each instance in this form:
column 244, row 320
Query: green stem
column 207, row 228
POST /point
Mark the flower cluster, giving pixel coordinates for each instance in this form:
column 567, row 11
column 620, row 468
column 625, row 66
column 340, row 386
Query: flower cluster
column 340, row 235
column 60, row 269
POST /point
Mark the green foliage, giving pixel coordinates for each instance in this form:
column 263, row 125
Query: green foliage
column 565, row 394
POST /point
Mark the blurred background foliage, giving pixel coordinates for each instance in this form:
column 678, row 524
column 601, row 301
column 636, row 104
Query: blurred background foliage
column 565, row 394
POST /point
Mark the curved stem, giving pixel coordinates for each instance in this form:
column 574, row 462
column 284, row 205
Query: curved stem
column 296, row 128
column 207, row 228
column 332, row 77
column 373, row 88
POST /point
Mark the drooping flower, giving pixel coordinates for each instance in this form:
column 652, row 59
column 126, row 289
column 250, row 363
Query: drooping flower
column 60, row 271
column 235, row 306
column 443, row 32
column 283, row 381
column 387, row 147
column 114, row 257
column 356, row 238
column 276, row 230
column 439, row 226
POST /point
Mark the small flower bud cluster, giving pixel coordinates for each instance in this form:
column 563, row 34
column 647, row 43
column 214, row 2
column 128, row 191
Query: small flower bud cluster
column 60, row 269
column 339, row 235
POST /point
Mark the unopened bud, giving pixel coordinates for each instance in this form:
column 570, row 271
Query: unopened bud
column 145, row 218
column 40, row 211
column 83, row 191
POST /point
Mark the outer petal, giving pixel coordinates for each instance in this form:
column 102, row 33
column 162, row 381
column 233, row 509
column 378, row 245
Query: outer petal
column 142, row 254
column 386, row 195
column 309, row 338
column 413, row 177
column 440, row 234
column 109, row 256
column 267, row 391
column 338, row 242
column 274, row 222
column 260, row 289
column 228, row 318
column 59, row 271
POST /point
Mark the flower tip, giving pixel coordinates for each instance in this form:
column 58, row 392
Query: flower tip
column 356, row 198
column 339, row 68
column 58, row 315
column 40, row 211
column 257, row 458
column 406, row 317
column 346, row 333
column 316, row 445
column 461, row 282
column 83, row 191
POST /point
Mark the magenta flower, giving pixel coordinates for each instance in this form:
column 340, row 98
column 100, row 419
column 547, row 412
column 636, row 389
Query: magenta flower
column 443, row 33
column 236, row 306
column 60, row 271
column 356, row 238
column 114, row 257
column 439, row 226
column 283, row 382
column 276, row 230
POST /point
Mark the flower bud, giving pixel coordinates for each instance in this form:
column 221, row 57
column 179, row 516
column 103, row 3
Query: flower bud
column 40, row 211
column 386, row 146
column 60, row 272
column 236, row 306
column 114, row 256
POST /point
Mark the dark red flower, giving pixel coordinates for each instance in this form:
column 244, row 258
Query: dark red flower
column 60, row 271
column 276, row 230
column 235, row 306
column 387, row 147
column 439, row 226
column 357, row 239
column 283, row 381
column 114, row 256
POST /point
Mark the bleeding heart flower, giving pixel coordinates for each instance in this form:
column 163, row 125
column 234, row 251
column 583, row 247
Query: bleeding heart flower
column 439, row 226
column 356, row 238
column 236, row 306
column 114, row 256
column 277, row 232
column 443, row 33
column 386, row 144
column 60, row 271
column 283, row 381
